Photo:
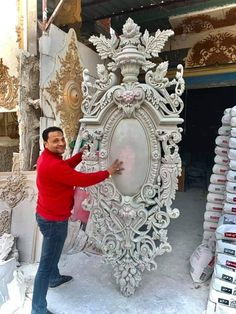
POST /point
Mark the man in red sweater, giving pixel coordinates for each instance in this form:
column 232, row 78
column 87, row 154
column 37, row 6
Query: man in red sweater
column 56, row 179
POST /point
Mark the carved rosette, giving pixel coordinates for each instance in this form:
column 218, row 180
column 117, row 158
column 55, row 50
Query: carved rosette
column 214, row 49
column 65, row 89
column 8, row 88
column 131, row 219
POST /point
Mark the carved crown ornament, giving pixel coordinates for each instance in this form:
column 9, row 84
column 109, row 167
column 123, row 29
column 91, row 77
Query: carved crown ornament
column 65, row 89
column 213, row 50
column 8, row 88
column 131, row 53
column 137, row 123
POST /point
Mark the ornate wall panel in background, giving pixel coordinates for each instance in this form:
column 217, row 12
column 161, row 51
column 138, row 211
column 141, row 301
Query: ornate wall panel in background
column 8, row 88
column 137, row 123
column 64, row 88
column 215, row 49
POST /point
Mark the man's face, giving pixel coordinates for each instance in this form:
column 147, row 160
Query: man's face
column 56, row 142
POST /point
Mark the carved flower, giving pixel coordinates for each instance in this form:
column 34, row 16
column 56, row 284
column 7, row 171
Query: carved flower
column 163, row 235
column 130, row 29
column 131, row 33
column 107, row 189
column 127, row 211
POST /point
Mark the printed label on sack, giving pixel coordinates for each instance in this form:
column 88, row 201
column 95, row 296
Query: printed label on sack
column 227, row 278
column 214, row 217
column 231, row 264
column 212, row 262
column 230, row 235
column 226, row 290
column 230, row 221
column 223, row 301
column 217, row 208
column 212, row 228
column 203, row 276
column 229, row 251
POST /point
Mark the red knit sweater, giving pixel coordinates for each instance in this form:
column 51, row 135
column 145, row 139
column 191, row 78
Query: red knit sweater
column 56, row 179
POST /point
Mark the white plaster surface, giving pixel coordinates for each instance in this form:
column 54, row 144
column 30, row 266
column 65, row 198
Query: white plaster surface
column 8, row 36
column 168, row 290
column 50, row 46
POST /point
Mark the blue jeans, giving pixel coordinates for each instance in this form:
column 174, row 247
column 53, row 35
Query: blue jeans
column 54, row 236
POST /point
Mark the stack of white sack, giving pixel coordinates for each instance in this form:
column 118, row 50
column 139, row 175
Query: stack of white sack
column 222, row 296
column 216, row 189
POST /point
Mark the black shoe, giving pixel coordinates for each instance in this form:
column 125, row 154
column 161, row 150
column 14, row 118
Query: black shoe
column 63, row 279
column 48, row 312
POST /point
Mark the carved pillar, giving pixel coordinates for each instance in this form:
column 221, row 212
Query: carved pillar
column 29, row 111
column 137, row 123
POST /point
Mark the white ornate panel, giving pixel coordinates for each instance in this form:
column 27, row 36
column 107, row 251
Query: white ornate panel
column 17, row 211
column 137, row 123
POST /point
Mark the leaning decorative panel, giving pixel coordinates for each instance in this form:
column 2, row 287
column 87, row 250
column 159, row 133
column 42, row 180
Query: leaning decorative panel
column 132, row 116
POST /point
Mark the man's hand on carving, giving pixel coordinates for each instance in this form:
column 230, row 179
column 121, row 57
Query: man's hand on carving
column 116, row 167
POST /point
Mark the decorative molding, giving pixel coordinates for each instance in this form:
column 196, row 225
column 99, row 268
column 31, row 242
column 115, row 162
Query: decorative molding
column 212, row 50
column 8, row 88
column 137, row 123
column 65, row 89
column 15, row 190
column 204, row 21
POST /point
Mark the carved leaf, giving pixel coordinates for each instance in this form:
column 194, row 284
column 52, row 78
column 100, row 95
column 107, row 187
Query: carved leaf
column 105, row 47
column 162, row 69
column 148, row 65
column 154, row 45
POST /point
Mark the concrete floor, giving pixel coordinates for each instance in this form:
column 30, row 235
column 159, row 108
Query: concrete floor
column 168, row 290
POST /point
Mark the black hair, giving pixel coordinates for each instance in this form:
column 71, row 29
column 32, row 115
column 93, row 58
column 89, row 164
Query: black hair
column 50, row 129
